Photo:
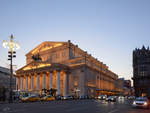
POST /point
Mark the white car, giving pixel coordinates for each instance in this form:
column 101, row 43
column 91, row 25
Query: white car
column 102, row 97
column 142, row 102
column 67, row 98
column 131, row 97
column 121, row 97
column 111, row 99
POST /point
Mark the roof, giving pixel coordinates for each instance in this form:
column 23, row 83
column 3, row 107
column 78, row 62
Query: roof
column 45, row 46
column 4, row 70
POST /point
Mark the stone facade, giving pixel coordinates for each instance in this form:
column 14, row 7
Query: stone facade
column 5, row 83
column 67, row 68
column 141, row 71
column 126, row 86
column 5, row 78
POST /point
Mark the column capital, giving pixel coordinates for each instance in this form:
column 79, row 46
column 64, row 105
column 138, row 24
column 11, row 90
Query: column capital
column 44, row 72
column 26, row 75
column 17, row 76
column 50, row 71
column 38, row 73
column 67, row 71
column 58, row 70
column 23, row 75
column 32, row 74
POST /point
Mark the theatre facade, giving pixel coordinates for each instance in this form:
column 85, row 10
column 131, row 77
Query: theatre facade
column 68, row 69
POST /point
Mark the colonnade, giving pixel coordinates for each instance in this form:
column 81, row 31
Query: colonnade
column 43, row 80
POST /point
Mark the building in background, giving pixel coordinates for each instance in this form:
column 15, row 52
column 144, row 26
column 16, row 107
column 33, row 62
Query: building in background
column 126, row 87
column 5, row 83
column 141, row 71
column 119, row 86
column 68, row 69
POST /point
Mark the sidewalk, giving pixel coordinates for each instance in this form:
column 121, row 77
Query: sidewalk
column 4, row 102
column 7, row 102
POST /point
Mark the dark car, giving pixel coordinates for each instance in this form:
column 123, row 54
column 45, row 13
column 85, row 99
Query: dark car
column 111, row 99
column 58, row 97
column 83, row 97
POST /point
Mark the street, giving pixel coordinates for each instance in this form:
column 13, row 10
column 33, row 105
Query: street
column 72, row 106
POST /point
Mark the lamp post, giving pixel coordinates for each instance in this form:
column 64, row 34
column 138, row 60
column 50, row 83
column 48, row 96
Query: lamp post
column 12, row 46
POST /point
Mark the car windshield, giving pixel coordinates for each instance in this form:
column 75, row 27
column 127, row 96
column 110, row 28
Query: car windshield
column 110, row 97
column 24, row 96
column 33, row 96
column 141, row 99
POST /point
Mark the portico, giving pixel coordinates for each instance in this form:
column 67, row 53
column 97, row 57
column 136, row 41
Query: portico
column 49, row 76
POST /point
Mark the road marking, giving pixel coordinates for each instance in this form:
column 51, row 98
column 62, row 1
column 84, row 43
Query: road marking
column 113, row 111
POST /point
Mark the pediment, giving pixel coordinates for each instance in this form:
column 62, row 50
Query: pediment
column 45, row 46
column 41, row 65
column 34, row 65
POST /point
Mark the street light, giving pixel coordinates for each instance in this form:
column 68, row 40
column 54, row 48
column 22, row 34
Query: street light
column 12, row 46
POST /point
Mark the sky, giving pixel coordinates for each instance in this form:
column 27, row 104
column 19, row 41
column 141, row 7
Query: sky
column 108, row 29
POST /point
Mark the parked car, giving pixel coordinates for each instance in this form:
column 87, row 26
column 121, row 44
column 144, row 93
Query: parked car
column 31, row 98
column 58, row 97
column 141, row 102
column 47, row 98
column 67, row 98
column 83, row 97
column 111, row 98
column 102, row 97
column 131, row 97
column 121, row 97
column 75, row 97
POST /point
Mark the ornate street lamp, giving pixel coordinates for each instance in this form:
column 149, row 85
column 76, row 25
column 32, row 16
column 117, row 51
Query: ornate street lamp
column 12, row 46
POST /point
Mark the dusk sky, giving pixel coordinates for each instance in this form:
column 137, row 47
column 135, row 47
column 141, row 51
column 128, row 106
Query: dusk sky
column 108, row 29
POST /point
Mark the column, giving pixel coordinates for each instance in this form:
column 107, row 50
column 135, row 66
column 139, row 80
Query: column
column 16, row 83
column 21, row 83
column 65, row 79
column 51, row 80
column 44, row 81
column 58, row 82
column 32, row 82
column 26, row 83
column 38, row 82
column 99, row 81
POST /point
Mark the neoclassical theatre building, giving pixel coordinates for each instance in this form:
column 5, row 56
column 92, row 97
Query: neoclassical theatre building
column 67, row 68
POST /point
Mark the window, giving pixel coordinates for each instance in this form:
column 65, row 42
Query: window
column 143, row 68
column 143, row 73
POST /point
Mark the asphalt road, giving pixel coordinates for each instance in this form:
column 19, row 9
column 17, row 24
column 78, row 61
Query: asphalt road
column 74, row 106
